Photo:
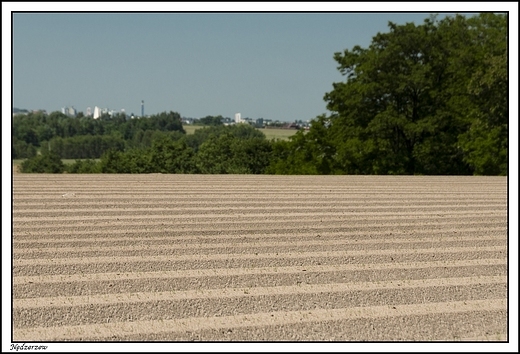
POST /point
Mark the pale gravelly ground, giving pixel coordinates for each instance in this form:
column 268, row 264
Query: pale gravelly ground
column 259, row 258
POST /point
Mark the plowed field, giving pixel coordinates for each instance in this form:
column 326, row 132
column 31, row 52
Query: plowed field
column 259, row 258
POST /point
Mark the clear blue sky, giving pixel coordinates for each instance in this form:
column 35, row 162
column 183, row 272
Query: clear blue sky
column 270, row 65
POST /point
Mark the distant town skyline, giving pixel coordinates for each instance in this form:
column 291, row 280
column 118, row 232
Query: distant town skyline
column 96, row 111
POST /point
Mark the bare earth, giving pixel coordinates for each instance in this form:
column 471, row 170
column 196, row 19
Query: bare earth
column 259, row 258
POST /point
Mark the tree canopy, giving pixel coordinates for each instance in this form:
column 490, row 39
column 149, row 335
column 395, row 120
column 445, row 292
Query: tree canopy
column 421, row 99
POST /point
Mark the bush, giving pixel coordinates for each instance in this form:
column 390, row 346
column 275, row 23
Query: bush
column 84, row 166
column 49, row 162
column 168, row 156
column 228, row 154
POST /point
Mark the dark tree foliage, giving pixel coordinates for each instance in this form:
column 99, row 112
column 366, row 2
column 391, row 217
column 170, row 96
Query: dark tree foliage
column 85, row 137
column 233, row 149
column 85, row 146
column 84, row 166
column 304, row 154
column 421, row 99
column 49, row 162
column 144, row 138
column 131, row 161
column 22, row 150
column 164, row 156
column 164, row 121
column 229, row 154
column 168, row 156
column 211, row 120
column 240, row 131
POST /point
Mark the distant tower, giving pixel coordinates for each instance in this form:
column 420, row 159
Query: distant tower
column 142, row 108
column 237, row 118
column 97, row 112
column 89, row 111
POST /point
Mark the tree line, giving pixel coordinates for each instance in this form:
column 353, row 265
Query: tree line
column 426, row 99
column 213, row 150
column 85, row 137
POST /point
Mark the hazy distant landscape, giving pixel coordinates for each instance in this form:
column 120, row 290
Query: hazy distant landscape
column 411, row 103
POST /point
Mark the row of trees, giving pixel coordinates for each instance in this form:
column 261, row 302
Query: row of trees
column 223, row 149
column 421, row 99
column 73, row 137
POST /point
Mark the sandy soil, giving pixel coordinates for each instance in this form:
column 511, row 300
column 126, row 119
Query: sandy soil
column 259, row 258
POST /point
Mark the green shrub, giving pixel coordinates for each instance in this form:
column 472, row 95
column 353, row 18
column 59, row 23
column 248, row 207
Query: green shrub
column 84, row 166
column 49, row 162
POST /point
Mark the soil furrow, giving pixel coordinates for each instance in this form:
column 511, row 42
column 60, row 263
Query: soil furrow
column 250, row 209
column 242, row 261
column 344, row 253
column 252, row 271
column 262, row 223
column 229, row 278
column 138, row 297
column 280, row 248
column 448, row 241
column 28, row 239
column 246, row 302
column 309, row 216
column 279, row 202
column 107, row 330
column 481, row 325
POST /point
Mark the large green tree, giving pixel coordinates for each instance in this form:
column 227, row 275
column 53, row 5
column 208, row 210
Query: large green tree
column 422, row 99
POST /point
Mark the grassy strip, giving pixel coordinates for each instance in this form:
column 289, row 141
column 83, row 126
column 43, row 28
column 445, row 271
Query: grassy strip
column 270, row 133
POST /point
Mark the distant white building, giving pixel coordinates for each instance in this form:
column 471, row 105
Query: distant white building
column 238, row 118
column 97, row 112
column 70, row 111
